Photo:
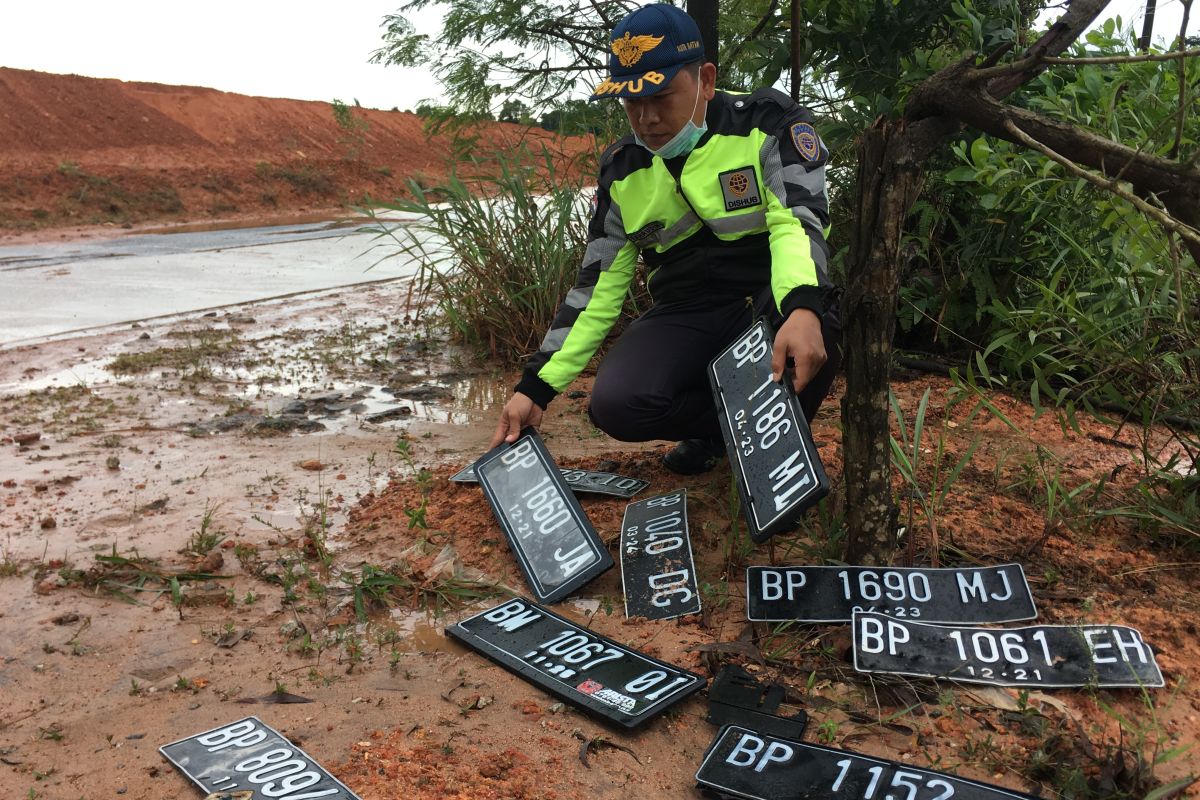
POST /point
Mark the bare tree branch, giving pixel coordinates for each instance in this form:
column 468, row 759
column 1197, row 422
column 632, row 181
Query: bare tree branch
column 1182, row 112
column 762, row 24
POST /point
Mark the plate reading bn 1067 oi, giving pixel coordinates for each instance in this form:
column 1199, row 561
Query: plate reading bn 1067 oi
column 747, row 764
column 575, row 664
column 778, row 470
column 249, row 756
column 657, row 571
column 580, row 480
column 556, row 546
column 1108, row 656
column 833, row 594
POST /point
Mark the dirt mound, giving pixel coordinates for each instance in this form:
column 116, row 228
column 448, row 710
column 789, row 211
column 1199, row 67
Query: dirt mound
column 87, row 151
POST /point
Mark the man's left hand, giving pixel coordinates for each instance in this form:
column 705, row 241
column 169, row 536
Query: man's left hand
column 799, row 338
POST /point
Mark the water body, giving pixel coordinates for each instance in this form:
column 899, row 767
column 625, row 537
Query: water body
column 55, row 288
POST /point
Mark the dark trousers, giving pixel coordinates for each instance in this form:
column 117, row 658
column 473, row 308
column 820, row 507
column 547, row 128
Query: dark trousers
column 653, row 384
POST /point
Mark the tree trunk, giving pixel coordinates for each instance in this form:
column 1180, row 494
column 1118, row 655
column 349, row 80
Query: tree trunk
column 1147, row 27
column 706, row 14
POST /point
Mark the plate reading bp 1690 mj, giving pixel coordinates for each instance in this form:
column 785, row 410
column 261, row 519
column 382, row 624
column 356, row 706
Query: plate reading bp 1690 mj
column 779, row 472
column 574, row 664
column 249, row 756
column 557, row 548
column 833, row 594
column 1106, row 656
column 746, row 764
column 657, row 571
column 580, row 480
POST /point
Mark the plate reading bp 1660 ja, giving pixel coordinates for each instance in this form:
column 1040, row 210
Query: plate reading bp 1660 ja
column 1106, row 656
column 657, row 572
column 580, row 480
column 779, row 472
column 249, row 756
column 574, row 664
column 557, row 548
column 833, row 594
column 746, row 764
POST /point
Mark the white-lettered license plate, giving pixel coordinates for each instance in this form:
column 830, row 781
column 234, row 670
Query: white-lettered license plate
column 833, row 594
column 657, row 570
column 1110, row 656
column 248, row 755
column 744, row 763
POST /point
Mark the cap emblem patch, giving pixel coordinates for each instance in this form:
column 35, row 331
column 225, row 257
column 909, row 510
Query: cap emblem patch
column 630, row 49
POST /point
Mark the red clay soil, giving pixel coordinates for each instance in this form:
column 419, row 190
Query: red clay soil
column 85, row 151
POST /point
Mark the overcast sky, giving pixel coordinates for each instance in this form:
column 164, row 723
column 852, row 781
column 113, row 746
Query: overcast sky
column 301, row 48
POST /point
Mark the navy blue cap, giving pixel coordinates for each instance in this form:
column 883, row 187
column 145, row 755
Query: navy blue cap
column 648, row 47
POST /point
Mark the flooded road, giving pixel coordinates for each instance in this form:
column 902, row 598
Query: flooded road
column 55, row 288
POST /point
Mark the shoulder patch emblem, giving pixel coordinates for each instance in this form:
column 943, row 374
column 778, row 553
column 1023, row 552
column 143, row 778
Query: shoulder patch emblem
column 804, row 136
column 739, row 188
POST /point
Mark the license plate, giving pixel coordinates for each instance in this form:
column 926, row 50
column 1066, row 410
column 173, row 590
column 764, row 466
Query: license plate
column 557, row 548
column 747, row 764
column 1108, row 656
column 833, row 594
column 779, row 472
column 580, row 480
column 657, row 571
column 574, row 664
column 249, row 756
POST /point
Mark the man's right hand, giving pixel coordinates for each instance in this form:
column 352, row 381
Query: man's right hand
column 518, row 412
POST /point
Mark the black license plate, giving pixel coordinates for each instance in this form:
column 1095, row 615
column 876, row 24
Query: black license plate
column 580, row 480
column 557, row 548
column 657, row 571
column 746, row 764
column 576, row 665
column 1109, row 656
column 833, row 594
column 779, row 472
column 249, row 756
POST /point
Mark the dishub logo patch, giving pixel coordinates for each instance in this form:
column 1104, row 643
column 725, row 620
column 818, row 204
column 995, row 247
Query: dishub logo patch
column 630, row 49
column 739, row 188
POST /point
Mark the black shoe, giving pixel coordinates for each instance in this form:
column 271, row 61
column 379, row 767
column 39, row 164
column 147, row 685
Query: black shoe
column 694, row 456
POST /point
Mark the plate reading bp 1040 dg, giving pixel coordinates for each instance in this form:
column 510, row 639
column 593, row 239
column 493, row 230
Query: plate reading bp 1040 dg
column 574, row 664
column 833, row 594
column 779, row 472
column 1105, row 656
column 657, row 571
column 580, row 480
column 743, row 763
column 556, row 546
column 249, row 756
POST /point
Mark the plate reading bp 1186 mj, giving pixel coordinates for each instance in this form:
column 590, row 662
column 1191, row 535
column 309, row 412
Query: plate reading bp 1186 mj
column 833, row 594
column 249, row 756
column 557, row 548
column 574, row 664
column 580, row 480
column 657, row 572
column 1105, row 656
column 779, row 472
column 746, row 764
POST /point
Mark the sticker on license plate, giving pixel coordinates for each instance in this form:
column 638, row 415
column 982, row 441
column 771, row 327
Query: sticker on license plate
column 657, row 571
column 580, row 480
column 744, row 763
column 574, row 664
column 1108, row 656
column 778, row 470
column 556, row 546
column 833, row 594
column 249, row 756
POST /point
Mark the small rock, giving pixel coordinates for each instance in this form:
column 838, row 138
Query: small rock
column 27, row 438
column 144, row 335
column 391, row 413
column 295, row 407
column 312, row 465
column 48, row 523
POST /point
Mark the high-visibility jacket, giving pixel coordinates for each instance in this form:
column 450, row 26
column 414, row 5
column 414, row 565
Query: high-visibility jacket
column 746, row 208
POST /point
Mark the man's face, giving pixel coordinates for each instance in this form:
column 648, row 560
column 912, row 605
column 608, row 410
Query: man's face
column 662, row 115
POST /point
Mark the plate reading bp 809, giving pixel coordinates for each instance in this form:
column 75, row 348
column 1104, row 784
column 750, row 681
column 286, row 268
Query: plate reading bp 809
column 657, row 571
column 574, row 664
column 556, row 546
column 1104, row 656
column 778, row 470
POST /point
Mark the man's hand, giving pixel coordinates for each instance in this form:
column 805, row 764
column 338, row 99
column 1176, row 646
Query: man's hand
column 799, row 338
column 519, row 411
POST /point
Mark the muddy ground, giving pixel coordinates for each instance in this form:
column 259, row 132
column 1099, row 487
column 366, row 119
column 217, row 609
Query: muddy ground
column 189, row 504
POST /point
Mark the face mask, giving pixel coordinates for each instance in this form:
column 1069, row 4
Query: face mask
column 685, row 140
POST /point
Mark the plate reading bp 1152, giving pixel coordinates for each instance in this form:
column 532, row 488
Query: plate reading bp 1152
column 556, row 546
column 778, row 470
